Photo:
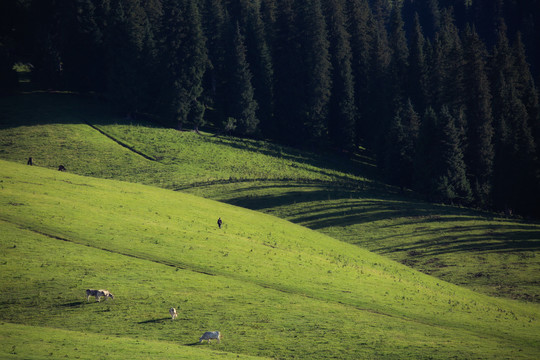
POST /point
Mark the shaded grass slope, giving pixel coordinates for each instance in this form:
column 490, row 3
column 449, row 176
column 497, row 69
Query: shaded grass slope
column 275, row 289
column 335, row 195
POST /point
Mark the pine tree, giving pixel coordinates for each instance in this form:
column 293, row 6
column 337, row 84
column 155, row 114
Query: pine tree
column 341, row 117
column 453, row 185
column 401, row 149
column 479, row 156
column 186, row 59
column 243, row 104
column 418, row 70
column 216, row 24
column 527, row 91
column 260, row 59
column 381, row 105
column 447, row 77
column 399, row 63
column 361, row 27
column 316, row 69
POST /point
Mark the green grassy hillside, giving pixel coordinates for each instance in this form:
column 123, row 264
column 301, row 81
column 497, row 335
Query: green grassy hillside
column 275, row 289
column 330, row 193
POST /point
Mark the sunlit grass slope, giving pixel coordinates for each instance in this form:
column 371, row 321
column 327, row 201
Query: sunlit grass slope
column 331, row 194
column 274, row 289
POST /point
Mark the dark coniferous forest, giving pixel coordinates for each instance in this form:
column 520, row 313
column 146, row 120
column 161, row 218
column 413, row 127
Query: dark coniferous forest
column 441, row 91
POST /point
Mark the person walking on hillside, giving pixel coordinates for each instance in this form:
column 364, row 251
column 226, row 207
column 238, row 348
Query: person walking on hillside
column 219, row 222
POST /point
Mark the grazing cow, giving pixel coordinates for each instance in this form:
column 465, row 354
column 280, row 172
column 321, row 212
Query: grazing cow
column 98, row 294
column 211, row 335
column 173, row 313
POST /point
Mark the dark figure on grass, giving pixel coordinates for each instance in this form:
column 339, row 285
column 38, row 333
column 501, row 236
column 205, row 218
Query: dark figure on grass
column 61, row 168
column 219, row 222
column 30, row 161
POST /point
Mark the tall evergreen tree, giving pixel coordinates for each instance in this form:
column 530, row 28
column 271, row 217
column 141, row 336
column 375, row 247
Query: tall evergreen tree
column 260, row 59
column 316, row 69
column 453, row 185
column 402, row 139
column 186, row 59
column 527, row 91
column 243, row 104
column 399, row 63
column 447, row 76
column 479, row 156
column 341, row 117
column 382, row 99
column 361, row 27
column 418, row 70
column 216, row 24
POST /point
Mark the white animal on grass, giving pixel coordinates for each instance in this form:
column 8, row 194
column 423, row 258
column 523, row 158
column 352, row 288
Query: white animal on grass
column 98, row 294
column 173, row 313
column 211, row 335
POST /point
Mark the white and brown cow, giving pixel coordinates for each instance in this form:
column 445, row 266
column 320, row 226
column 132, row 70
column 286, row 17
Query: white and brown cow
column 211, row 335
column 173, row 313
column 98, row 294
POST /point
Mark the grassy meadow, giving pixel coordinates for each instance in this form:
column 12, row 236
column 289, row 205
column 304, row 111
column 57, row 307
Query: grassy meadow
column 274, row 289
column 348, row 288
column 336, row 195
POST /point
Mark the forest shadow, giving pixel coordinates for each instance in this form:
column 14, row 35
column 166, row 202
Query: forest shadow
column 57, row 107
column 491, row 238
column 307, row 158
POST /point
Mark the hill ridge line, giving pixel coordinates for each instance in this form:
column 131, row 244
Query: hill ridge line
column 121, row 143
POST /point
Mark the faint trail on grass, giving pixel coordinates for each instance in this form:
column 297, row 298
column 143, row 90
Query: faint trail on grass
column 182, row 266
column 157, row 261
column 121, row 143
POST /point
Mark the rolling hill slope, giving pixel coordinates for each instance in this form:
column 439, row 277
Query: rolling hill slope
column 275, row 289
column 332, row 194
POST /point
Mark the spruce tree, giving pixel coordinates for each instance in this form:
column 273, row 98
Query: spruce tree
column 526, row 89
column 453, row 186
column 219, row 40
column 260, row 59
column 381, row 100
column 361, row 27
column 447, row 75
column 418, row 70
column 479, row 156
column 399, row 63
column 341, row 117
column 186, row 58
column 401, row 142
column 315, row 69
column 243, row 104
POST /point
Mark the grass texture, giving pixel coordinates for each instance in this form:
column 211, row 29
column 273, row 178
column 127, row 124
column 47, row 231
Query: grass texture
column 334, row 194
column 275, row 289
